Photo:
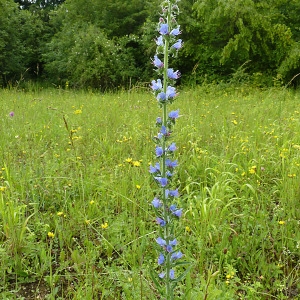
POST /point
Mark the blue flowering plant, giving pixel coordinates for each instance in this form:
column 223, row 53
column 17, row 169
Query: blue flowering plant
column 166, row 201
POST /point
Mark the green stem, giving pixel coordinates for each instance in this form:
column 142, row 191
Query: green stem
column 169, row 292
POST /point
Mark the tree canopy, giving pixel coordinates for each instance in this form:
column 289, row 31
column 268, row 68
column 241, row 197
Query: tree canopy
column 108, row 43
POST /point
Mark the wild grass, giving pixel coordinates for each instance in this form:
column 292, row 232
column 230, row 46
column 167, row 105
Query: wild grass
column 75, row 214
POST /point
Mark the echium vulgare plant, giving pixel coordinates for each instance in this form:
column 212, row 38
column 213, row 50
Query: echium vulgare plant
column 166, row 201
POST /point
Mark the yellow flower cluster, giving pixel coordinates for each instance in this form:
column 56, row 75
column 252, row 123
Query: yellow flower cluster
column 134, row 163
column 124, row 139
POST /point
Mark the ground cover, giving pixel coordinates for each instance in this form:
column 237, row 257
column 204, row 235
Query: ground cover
column 75, row 214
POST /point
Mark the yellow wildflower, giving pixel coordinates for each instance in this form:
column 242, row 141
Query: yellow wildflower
column 104, row 226
column 60, row 213
column 136, row 163
column 281, row 222
column 50, row 234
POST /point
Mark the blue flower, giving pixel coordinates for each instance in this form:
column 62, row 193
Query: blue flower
column 172, row 274
column 164, row 29
column 161, row 259
column 155, row 169
column 163, row 181
column 173, row 242
column 177, row 45
column 176, row 255
column 178, row 213
column 172, row 193
column 161, row 97
column 164, row 130
column 159, row 151
column 172, row 147
column 169, row 248
column 171, row 164
column 160, row 42
column 172, row 207
column 156, row 85
column 158, row 121
column 172, row 74
column 161, row 222
column 175, row 31
column 169, row 174
column 174, row 114
column 156, row 203
column 161, row 242
column 171, row 92
column 157, row 62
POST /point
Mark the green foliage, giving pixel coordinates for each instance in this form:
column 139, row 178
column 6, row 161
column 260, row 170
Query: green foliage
column 92, row 48
column 226, row 34
column 219, row 38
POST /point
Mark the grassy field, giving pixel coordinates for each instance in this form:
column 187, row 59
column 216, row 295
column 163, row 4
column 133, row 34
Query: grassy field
column 75, row 193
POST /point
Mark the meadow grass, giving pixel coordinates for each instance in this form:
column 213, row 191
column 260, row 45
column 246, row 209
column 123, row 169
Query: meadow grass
column 75, row 214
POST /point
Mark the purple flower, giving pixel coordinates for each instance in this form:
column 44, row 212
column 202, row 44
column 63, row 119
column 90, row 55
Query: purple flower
column 171, row 92
column 161, row 259
column 163, row 181
column 11, row 114
column 172, row 147
column 156, row 85
column 161, row 222
column 176, row 255
column 157, row 62
column 172, row 74
column 174, row 114
column 156, row 203
column 158, row 120
column 160, row 42
column 159, row 151
column 154, row 169
column 177, row 45
column 161, row 242
column 164, row 29
column 175, row 31
column 161, row 275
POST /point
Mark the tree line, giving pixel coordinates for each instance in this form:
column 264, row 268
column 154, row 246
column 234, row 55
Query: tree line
column 109, row 43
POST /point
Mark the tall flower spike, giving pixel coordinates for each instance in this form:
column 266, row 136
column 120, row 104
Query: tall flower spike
column 167, row 213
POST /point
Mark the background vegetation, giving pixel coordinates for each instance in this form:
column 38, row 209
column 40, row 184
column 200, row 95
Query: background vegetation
column 75, row 191
column 106, row 44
